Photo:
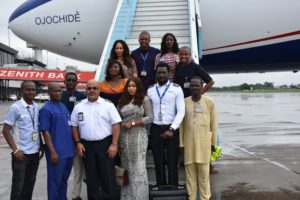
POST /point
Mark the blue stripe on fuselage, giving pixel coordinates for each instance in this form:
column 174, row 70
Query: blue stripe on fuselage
column 280, row 55
column 25, row 7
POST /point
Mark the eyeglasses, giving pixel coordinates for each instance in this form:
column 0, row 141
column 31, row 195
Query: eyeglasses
column 71, row 80
column 91, row 88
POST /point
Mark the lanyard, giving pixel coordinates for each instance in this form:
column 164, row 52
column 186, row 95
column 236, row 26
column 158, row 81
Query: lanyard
column 144, row 57
column 32, row 117
column 161, row 97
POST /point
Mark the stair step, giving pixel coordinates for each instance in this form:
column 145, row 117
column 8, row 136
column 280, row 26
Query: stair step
column 157, row 40
column 162, row 4
column 162, row 12
column 161, row 17
column 162, row 8
column 162, row 28
column 153, row 1
column 135, row 46
column 159, row 33
column 163, row 22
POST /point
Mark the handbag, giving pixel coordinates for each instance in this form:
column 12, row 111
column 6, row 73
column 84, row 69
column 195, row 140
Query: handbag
column 121, row 176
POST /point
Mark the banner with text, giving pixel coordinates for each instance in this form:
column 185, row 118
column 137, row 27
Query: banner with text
column 42, row 75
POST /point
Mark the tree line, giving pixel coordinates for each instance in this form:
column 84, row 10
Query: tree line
column 250, row 87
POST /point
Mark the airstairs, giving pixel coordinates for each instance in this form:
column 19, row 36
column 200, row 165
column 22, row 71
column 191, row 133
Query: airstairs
column 180, row 17
column 160, row 17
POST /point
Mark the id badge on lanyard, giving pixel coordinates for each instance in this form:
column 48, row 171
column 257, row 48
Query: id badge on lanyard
column 160, row 115
column 34, row 136
column 34, row 133
column 198, row 108
column 186, row 84
column 72, row 99
column 144, row 72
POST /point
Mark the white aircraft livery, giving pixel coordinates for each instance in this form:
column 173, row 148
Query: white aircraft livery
column 227, row 36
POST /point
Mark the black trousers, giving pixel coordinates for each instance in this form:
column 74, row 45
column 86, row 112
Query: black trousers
column 165, row 151
column 100, row 170
column 24, row 176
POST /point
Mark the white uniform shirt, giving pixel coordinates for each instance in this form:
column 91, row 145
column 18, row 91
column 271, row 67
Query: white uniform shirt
column 95, row 119
column 172, row 104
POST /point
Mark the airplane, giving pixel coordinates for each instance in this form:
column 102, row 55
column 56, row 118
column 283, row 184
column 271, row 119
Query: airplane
column 236, row 36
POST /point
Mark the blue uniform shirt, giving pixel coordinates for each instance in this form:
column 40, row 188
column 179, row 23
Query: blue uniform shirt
column 145, row 61
column 71, row 100
column 54, row 119
column 24, row 121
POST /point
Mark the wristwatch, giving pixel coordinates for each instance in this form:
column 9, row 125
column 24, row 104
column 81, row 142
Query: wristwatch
column 114, row 145
column 133, row 123
column 171, row 129
column 76, row 142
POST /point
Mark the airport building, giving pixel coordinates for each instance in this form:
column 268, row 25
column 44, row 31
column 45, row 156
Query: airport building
column 7, row 56
column 10, row 87
column 14, row 70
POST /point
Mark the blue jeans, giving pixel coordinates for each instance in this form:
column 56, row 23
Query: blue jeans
column 24, row 176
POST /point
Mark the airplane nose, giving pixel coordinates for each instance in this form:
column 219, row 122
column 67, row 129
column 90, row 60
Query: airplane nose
column 26, row 7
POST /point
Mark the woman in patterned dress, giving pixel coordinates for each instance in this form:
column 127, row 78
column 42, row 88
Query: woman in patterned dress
column 169, row 53
column 136, row 111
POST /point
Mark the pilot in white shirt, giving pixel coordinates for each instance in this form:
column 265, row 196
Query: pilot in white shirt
column 96, row 128
column 168, row 111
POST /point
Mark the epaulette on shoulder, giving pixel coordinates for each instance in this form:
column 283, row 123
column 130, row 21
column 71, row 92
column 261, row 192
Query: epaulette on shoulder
column 108, row 100
column 176, row 85
column 151, row 86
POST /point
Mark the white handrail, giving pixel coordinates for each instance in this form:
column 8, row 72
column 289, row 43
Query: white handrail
column 111, row 29
column 198, row 17
column 193, row 30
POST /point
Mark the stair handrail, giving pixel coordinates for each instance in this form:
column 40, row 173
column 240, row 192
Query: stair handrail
column 199, row 28
column 130, row 17
column 113, row 34
column 193, row 30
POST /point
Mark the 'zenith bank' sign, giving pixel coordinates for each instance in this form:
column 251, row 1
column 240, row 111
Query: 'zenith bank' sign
column 42, row 75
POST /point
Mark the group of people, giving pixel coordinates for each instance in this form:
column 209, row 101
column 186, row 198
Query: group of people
column 161, row 89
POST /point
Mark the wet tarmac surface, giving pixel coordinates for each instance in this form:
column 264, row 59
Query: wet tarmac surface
column 260, row 136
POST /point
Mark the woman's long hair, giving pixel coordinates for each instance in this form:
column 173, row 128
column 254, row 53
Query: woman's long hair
column 138, row 97
column 110, row 64
column 163, row 46
column 126, row 54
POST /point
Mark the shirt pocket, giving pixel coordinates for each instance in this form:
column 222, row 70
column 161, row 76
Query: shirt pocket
column 25, row 120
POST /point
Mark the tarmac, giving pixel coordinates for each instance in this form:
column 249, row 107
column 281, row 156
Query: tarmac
column 261, row 145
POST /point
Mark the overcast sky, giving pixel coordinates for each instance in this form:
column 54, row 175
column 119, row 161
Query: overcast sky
column 8, row 6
